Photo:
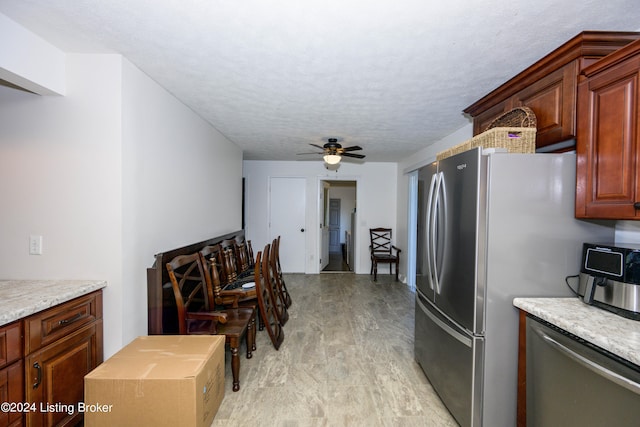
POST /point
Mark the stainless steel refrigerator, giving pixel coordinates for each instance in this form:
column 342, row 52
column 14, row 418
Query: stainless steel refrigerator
column 490, row 228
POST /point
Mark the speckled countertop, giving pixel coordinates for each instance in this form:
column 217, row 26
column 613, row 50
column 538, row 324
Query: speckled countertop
column 21, row 298
column 609, row 331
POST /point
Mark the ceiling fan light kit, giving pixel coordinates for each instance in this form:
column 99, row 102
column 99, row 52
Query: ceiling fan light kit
column 332, row 152
column 332, row 159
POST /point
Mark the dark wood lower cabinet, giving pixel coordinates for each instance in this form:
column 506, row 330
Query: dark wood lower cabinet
column 11, row 374
column 55, row 377
column 12, row 391
column 43, row 360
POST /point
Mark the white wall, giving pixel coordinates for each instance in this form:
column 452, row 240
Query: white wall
column 428, row 153
column 30, row 62
column 182, row 183
column 100, row 175
column 376, row 191
column 423, row 157
column 61, row 177
column 376, row 184
column 628, row 232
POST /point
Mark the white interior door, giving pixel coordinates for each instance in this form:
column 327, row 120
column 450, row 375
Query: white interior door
column 334, row 225
column 287, row 219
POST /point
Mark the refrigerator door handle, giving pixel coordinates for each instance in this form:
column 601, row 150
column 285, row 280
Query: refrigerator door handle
column 433, row 229
column 442, row 231
column 428, row 229
column 446, row 328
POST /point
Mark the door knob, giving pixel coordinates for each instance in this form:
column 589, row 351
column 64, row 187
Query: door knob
column 636, row 205
column 302, row 230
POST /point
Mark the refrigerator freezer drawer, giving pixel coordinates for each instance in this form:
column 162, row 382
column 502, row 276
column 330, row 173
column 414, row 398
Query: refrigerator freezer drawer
column 452, row 361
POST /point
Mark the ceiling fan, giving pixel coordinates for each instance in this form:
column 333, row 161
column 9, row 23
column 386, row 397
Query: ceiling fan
column 332, row 151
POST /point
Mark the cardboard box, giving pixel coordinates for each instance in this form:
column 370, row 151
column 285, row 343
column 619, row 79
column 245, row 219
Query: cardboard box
column 172, row 380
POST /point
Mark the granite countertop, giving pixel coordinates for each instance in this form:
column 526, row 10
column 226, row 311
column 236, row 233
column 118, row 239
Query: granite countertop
column 607, row 330
column 21, row 298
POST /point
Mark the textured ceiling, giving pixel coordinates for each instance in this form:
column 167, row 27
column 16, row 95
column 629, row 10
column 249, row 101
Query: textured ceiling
column 273, row 76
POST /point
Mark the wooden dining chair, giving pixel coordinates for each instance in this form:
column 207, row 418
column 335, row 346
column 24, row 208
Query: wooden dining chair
column 274, row 258
column 382, row 250
column 267, row 304
column 237, row 272
column 197, row 314
column 268, row 274
column 210, row 257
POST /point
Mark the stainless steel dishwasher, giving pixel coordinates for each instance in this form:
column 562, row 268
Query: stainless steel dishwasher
column 571, row 382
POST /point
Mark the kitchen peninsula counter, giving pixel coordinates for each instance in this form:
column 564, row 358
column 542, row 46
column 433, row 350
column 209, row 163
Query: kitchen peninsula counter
column 22, row 298
column 607, row 330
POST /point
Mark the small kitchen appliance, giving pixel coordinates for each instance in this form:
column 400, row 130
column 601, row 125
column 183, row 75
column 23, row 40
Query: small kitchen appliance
column 610, row 278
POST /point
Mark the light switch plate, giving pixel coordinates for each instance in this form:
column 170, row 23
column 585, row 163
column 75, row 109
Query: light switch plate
column 35, row 245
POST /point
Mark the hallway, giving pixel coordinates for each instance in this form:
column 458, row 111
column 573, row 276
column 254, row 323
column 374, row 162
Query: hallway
column 346, row 360
column 336, row 264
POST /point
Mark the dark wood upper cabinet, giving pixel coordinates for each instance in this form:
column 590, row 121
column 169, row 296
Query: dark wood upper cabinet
column 608, row 143
column 549, row 87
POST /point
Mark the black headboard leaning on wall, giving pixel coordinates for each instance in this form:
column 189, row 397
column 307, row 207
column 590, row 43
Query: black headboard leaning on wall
column 161, row 304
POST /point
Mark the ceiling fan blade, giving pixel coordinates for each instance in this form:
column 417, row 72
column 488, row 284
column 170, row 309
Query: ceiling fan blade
column 318, row 146
column 315, row 152
column 352, row 148
column 357, row 156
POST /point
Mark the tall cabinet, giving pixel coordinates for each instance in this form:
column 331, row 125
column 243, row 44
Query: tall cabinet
column 608, row 143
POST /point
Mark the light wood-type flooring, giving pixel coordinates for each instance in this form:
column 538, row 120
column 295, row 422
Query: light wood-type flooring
column 347, row 360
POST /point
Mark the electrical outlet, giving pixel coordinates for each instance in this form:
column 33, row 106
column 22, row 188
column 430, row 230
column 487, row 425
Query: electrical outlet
column 35, row 245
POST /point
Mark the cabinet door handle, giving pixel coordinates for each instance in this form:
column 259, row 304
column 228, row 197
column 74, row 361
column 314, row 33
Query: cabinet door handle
column 39, row 376
column 636, row 205
column 69, row 320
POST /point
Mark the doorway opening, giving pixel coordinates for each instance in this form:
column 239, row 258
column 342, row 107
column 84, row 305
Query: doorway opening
column 338, row 224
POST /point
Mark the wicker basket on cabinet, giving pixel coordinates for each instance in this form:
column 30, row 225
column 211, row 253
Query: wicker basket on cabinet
column 514, row 130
